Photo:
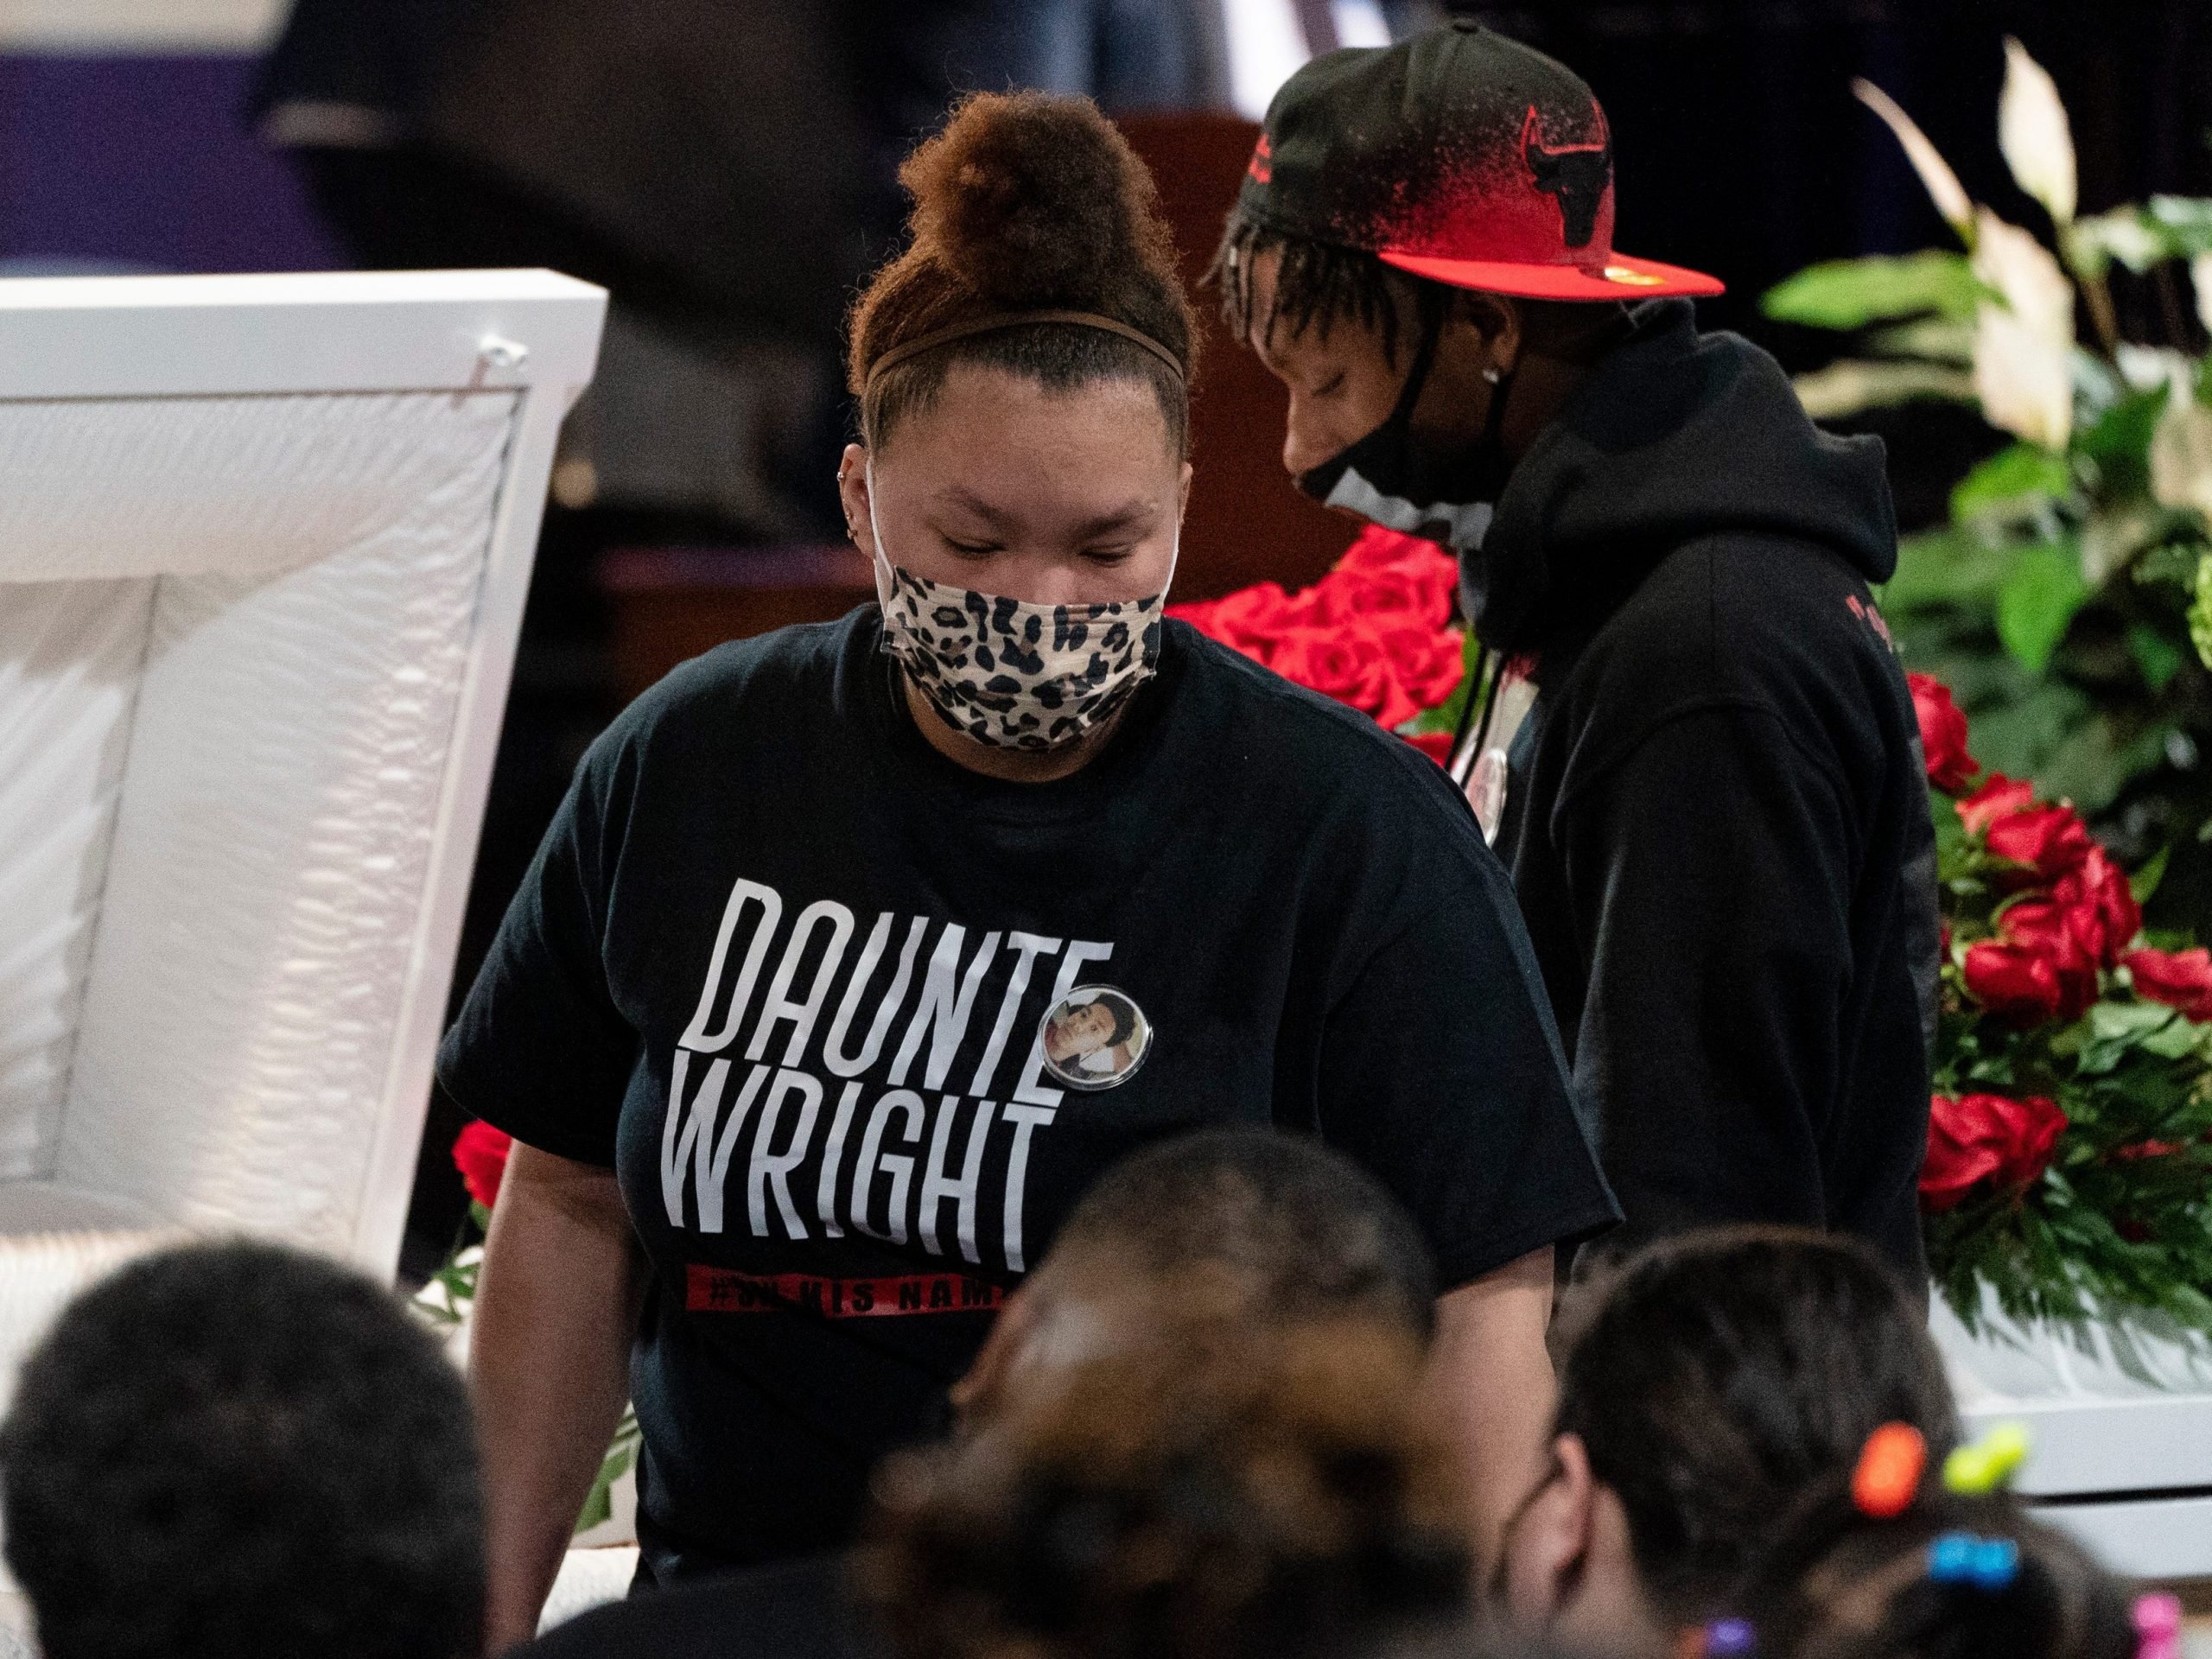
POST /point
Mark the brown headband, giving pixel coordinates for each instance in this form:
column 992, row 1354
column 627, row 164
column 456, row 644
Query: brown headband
column 999, row 319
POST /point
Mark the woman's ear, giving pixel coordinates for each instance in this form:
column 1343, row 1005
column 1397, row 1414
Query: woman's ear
column 1498, row 318
column 1547, row 1545
column 852, row 492
column 1183, row 499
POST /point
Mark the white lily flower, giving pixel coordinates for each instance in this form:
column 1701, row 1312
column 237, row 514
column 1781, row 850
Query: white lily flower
column 1943, row 187
column 2023, row 345
column 2033, row 132
column 2180, row 446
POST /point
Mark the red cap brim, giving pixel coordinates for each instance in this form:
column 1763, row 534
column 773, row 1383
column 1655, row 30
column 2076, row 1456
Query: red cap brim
column 1623, row 278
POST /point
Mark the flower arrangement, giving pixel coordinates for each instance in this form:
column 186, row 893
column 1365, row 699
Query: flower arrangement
column 480, row 1153
column 1378, row 634
column 2069, row 1140
column 2068, row 600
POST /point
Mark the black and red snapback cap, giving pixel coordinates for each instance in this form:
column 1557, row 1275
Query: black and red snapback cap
column 1457, row 155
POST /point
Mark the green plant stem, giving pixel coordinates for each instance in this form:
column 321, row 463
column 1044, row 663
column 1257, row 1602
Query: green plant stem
column 2171, row 310
column 2098, row 293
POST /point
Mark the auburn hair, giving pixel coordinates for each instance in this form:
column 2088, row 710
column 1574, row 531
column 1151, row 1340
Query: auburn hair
column 1025, row 202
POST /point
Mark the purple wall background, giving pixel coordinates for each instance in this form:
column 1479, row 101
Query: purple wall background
column 146, row 162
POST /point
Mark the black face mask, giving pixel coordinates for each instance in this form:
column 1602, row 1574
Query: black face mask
column 1388, row 479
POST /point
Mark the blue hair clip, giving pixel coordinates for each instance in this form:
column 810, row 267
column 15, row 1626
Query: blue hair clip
column 1730, row 1639
column 1987, row 1564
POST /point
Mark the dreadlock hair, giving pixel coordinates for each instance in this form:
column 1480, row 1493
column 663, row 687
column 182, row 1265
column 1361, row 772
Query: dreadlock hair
column 1839, row 1584
column 1318, row 283
column 1221, row 1490
column 1025, row 202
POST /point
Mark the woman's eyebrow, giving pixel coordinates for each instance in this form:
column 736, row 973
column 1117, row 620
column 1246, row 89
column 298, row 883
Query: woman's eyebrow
column 954, row 495
column 1130, row 515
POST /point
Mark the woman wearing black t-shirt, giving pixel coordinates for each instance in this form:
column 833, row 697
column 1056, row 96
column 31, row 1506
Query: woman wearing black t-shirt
column 787, row 1016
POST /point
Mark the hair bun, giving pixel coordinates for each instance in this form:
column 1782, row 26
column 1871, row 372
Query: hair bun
column 1033, row 200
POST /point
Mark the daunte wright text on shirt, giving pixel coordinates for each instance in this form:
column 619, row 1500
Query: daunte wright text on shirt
column 815, row 1089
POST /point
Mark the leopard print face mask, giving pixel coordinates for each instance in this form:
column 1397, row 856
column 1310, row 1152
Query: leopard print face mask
column 1011, row 673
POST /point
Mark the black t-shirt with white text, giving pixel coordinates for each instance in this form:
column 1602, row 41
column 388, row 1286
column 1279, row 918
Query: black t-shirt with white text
column 857, row 1026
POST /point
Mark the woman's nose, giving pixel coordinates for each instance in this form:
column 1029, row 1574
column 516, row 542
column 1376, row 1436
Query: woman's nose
column 1305, row 444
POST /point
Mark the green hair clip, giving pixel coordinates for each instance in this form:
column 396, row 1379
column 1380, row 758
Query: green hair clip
column 1987, row 1464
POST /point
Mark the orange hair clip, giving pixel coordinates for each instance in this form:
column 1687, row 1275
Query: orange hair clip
column 1891, row 1464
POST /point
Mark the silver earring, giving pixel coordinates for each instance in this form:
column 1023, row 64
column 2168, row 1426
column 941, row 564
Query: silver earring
column 1490, row 375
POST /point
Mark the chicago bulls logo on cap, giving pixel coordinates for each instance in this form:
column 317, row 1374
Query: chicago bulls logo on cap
column 1578, row 175
column 1458, row 156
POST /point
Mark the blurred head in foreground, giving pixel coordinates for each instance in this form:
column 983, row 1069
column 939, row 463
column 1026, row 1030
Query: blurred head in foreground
column 1953, row 1577
column 1241, row 1226
column 1218, row 1493
column 233, row 1450
column 1708, row 1384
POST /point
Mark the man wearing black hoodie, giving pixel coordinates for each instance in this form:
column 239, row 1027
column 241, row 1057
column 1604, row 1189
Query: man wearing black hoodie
column 1715, row 811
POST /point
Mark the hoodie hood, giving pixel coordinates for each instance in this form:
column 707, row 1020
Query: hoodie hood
column 1674, row 437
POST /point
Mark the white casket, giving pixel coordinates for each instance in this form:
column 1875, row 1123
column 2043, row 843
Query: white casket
column 265, row 542
column 2120, row 1420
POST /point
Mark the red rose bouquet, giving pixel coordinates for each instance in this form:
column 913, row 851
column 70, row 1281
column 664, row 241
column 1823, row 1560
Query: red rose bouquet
column 2069, row 1140
column 480, row 1154
column 1376, row 634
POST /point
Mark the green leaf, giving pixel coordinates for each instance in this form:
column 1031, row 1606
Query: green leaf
column 598, row 1503
column 2018, row 734
column 2150, row 1027
column 2144, row 881
column 2091, row 766
column 2038, row 600
column 1932, row 340
column 1851, row 385
column 1852, row 293
column 2184, row 221
column 2020, row 470
column 2117, row 442
column 2200, row 611
column 2127, row 234
column 1946, row 567
column 2158, row 657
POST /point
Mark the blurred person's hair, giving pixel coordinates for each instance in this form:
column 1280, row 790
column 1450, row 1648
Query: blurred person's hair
column 1026, row 202
column 1479, row 1636
column 1222, row 1492
column 1717, row 1376
column 234, row 1450
column 1288, row 1228
column 1839, row 1584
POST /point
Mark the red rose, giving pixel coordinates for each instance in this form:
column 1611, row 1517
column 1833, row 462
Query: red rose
column 2047, row 840
column 1385, row 572
column 2000, row 795
column 1437, row 746
column 1376, row 548
column 2180, row 979
column 1942, row 734
column 480, row 1153
column 2091, row 910
column 2142, row 1149
column 1391, row 595
column 1429, row 662
column 1976, row 1138
column 2028, row 984
column 1347, row 663
column 1250, row 619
